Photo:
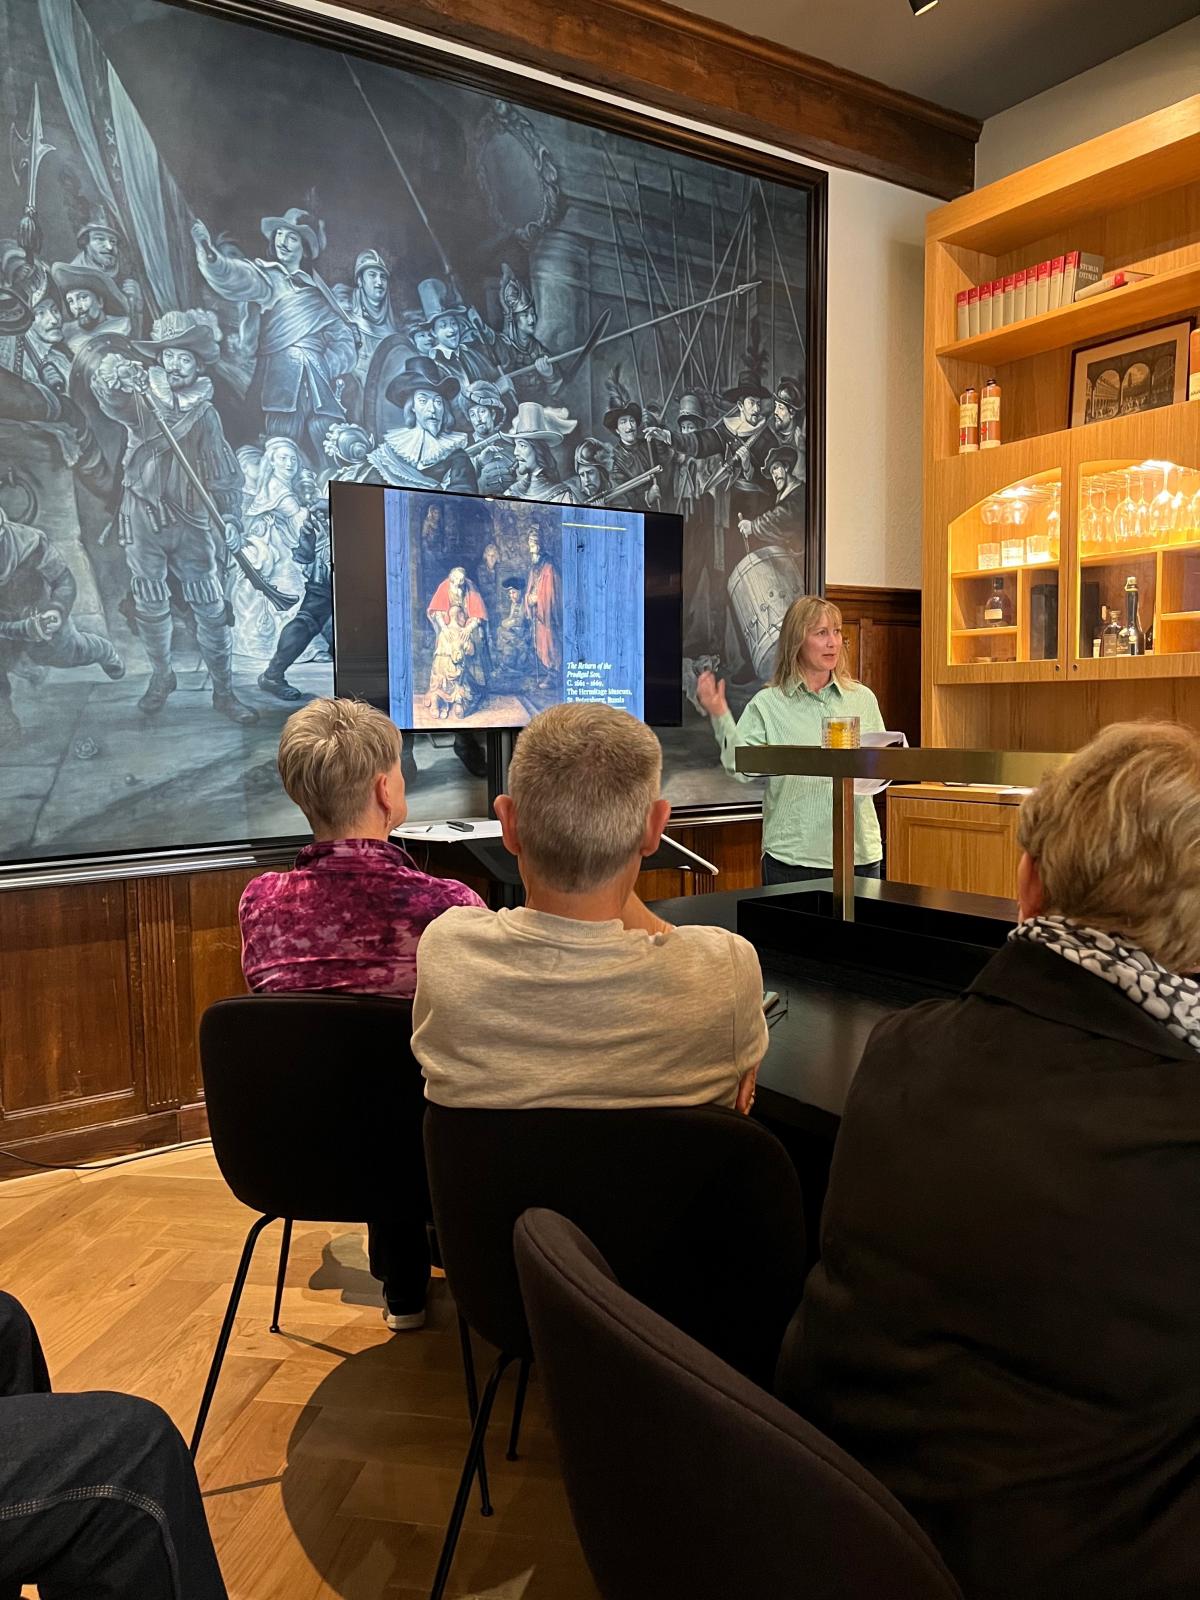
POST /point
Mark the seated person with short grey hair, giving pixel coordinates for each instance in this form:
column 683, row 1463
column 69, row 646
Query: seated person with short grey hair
column 581, row 997
column 349, row 914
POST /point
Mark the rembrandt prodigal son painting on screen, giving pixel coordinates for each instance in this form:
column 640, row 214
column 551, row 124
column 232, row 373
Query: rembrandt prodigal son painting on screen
column 236, row 265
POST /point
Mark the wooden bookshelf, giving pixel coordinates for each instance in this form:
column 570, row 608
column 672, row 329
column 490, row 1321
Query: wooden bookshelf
column 1132, row 197
column 1170, row 294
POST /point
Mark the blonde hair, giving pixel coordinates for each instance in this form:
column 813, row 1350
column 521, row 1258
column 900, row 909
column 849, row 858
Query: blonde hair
column 1115, row 836
column 805, row 616
column 582, row 780
column 330, row 753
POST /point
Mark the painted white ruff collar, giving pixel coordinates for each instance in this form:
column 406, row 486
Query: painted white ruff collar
column 182, row 399
column 421, row 449
column 1170, row 999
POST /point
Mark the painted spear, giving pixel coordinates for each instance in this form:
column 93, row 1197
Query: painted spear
column 650, row 322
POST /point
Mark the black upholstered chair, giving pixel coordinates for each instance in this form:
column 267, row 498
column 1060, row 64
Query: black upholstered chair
column 314, row 1105
column 683, row 1477
column 699, row 1209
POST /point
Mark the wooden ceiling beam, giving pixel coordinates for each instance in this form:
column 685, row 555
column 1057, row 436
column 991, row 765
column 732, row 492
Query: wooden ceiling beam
column 691, row 65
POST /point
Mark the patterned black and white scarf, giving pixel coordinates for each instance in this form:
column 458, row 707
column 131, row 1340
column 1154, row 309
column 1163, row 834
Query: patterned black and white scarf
column 1172, row 1000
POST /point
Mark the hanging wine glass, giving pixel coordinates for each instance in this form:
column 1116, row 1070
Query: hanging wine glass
column 1054, row 520
column 1141, row 520
column 1162, row 515
column 1125, row 516
column 1090, row 519
column 1192, row 516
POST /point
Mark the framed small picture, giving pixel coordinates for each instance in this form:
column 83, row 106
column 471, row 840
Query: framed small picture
column 1137, row 373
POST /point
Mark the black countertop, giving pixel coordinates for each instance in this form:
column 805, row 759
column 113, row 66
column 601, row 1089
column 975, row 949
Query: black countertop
column 826, row 1015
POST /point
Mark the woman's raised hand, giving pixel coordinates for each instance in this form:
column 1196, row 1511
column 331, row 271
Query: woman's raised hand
column 711, row 694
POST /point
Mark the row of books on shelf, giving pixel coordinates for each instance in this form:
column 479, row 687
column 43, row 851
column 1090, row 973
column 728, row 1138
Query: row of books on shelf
column 1075, row 275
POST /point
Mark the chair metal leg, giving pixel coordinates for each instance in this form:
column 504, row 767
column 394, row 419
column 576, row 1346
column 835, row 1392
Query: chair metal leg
column 214, row 1371
column 518, row 1407
column 470, row 1467
column 285, row 1245
column 468, row 1360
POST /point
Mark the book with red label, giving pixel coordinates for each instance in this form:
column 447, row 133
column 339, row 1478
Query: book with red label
column 1056, row 282
column 985, row 308
column 1020, row 283
column 962, row 315
column 1042, row 303
column 972, row 311
column 1111, row 281
column 1009, row 294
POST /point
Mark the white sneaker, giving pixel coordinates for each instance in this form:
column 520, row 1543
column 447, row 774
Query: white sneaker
column 406, row 1324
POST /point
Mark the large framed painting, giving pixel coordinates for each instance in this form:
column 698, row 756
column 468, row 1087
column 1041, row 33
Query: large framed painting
column 237, row 257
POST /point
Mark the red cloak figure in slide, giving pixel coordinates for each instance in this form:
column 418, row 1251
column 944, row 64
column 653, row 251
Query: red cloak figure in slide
column 543, row 607
column 456, row 590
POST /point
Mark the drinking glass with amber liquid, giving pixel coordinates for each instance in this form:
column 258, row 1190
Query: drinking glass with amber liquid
column 839, row 733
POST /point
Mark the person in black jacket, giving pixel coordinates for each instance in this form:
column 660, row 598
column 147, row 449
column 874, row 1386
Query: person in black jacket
column 1005, row 1322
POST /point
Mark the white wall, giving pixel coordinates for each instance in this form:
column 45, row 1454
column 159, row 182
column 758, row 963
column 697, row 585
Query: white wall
column 1145, row 79
column 873, row 416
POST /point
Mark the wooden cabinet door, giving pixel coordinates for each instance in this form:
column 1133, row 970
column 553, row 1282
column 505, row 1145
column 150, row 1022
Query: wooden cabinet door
column 953, row 844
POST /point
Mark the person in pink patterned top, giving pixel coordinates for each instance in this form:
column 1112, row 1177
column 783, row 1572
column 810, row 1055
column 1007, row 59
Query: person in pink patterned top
column 350, row 913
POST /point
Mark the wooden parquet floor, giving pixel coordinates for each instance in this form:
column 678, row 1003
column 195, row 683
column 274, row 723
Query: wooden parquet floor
column 333, row 1448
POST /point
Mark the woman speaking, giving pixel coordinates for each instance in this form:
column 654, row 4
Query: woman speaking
column 811, row 681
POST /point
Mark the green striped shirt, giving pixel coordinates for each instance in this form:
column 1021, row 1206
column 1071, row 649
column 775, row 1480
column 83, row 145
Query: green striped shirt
column 798, row 812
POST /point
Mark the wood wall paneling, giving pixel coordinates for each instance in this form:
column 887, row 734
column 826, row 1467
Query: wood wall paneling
column 66, row 1025
column 685, row 63
column 883, row 637
column 157, row 908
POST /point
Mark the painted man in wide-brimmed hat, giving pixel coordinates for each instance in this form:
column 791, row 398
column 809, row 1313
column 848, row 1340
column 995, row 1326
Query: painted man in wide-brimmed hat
column 534, row 433
column 165, row 524
column 98, row 236
column 635, row 452
column 306, row 342
column 427, row 451
column 784, row 523
column 740, row 442
column 367, row 302
column 493, row 455
column 95, row 305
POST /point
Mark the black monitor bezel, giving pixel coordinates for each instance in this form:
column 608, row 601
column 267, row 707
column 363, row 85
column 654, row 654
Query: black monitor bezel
column 362, row 504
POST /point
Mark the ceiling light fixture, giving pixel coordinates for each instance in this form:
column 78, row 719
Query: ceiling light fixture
column 920, row 7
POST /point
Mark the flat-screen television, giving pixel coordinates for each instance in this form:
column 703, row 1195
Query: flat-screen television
column 465, row 611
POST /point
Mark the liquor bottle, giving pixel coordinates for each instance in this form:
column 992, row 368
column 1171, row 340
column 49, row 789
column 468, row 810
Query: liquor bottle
column 1132, row 640
column 989, row 416
column 968, row 420
column 1110, row 637
column 998, row 607
column 1098, row 636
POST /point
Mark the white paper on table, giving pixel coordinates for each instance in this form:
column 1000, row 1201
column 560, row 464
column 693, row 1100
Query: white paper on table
column 886, row 740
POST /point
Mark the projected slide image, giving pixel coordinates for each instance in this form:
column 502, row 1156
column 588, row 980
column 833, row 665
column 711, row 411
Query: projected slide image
column 498, row 609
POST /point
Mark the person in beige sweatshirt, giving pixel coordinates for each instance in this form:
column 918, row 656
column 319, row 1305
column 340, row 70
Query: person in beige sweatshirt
column 582, row 997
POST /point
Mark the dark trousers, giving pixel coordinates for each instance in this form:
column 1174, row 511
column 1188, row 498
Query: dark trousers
column 98, row 1495
column 311, row 618
column 780, row 872
column 398, row 1251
